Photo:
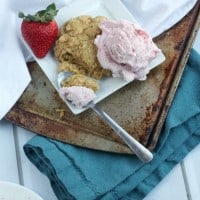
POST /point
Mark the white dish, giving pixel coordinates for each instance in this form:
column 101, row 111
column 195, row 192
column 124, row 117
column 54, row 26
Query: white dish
column 113, row 9
column 12, row 191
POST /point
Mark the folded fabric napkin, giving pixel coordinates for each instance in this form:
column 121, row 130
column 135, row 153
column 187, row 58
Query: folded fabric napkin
column 155, row 17
column 14, row 74
column 79, row 173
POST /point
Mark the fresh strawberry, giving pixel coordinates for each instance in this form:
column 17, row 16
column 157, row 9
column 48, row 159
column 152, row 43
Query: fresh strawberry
column 40, row 30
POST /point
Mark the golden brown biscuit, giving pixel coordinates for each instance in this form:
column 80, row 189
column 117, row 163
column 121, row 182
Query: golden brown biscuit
column 75, row 48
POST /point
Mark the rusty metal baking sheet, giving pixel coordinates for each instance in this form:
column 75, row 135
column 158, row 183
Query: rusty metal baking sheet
column 140, row 107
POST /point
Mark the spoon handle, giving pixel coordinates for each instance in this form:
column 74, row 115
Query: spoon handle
column 142, row 153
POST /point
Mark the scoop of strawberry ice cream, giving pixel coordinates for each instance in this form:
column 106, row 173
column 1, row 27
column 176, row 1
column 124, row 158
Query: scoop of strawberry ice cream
column 77, row 95
column 125, row 49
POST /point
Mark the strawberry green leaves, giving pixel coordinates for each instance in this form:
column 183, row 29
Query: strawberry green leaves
column 41, row 16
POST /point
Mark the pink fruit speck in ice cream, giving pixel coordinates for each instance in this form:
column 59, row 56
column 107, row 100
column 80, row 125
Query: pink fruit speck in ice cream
column 125, row 49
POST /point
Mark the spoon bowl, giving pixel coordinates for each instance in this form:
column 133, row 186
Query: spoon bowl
column 63, row 76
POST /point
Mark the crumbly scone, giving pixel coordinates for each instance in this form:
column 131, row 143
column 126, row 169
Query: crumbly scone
column 75, row 48
column 66, row 66
column 81, row 80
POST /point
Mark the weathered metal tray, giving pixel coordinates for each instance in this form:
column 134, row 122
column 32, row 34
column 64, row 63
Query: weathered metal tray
column 140, row 107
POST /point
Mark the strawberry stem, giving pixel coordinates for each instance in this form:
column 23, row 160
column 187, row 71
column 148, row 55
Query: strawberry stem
column 42, row 15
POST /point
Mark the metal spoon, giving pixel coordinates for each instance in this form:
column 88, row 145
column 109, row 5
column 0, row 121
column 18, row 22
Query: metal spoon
column 141, row 152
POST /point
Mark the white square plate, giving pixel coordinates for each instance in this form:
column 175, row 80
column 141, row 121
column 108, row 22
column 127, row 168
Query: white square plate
column 113, row 9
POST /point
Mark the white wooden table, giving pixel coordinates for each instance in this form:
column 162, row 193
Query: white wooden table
column 182, row 183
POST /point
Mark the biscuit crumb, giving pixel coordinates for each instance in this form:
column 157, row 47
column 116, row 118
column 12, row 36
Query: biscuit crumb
column 61, row 112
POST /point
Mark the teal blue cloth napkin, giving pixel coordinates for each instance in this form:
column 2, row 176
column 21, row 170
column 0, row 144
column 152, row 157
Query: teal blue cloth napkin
column 79, row 173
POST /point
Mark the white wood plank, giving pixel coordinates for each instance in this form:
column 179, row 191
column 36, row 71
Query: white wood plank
column 32, row 178
column 8, row 161
column 171, row 187
column 192, row 173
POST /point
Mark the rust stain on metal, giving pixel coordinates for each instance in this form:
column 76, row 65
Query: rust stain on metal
column 140, row 107
column 180, row 45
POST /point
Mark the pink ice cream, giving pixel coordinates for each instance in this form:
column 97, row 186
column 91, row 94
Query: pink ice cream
column 77, row 95
column 125, row 49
